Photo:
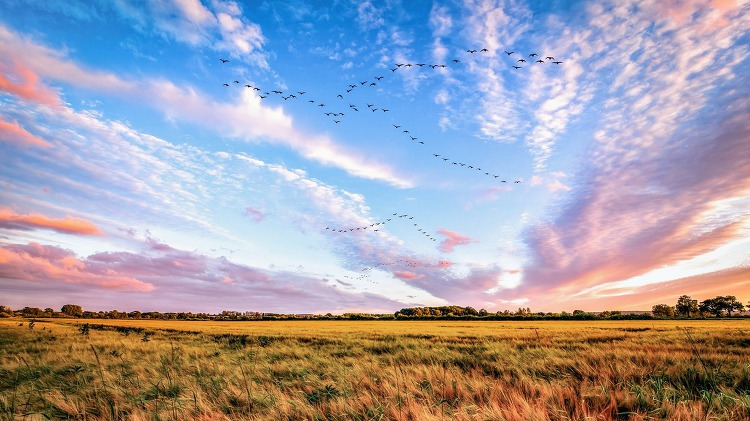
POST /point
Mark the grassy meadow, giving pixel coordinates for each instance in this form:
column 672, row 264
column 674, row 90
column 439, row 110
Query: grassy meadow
column 382, row 370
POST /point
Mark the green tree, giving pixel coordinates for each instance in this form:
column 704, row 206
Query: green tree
column 686, row 306
column 72, row 310
column 662, row 310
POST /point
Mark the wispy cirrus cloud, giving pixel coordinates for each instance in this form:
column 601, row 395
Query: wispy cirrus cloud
column 660, row 186
column 67, row 225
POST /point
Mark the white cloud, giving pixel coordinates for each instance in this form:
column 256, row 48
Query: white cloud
column 219, row 25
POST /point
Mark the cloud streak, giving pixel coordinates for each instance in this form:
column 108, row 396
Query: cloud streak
column 68, row 225
column 14, row 133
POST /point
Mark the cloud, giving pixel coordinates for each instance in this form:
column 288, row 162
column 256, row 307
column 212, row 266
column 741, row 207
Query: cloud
column 14, row 133
column 369, row 16
column 407, row 275
column 219, row 25
column 45, row 266
column 27, row 85
column 245, row 118
column 495, row 25
column 557, row 185
column 668, row 168
column 440, row 21
column 452, row 240
column 257, row 215
column 167, row 279
column 617, row 296
column 68, row 225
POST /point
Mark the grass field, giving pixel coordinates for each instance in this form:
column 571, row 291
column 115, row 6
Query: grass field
column 385, row 370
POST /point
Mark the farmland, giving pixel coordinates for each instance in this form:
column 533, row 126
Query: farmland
column 402, row 370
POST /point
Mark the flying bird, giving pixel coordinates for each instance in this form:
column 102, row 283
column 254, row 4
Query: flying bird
column 557, row 62
column 509, row 52
column 549, row 58
column 517, row 67
column 533, row 55
column 224, row 60
column 455, row 60
column 521, row 60
column 378, row 77
column 225, row 84
column 484, row 50
column 540, row 61
column 471, row 51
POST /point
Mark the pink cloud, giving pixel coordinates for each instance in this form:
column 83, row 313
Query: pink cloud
column 557, row 185
column 632, row 219
column 452, row 240
column 444, row 264
column 49, row 264
column 258, row 215
column 172, row 279
column 13, row 132
column 68, row 225
column 408, row 275
column 27, row 85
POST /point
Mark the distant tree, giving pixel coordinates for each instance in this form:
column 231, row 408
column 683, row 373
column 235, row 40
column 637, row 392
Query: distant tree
column 713, row 306
column 578, row 312
column 686, row 306
column 72, row 310
column 6, row 311
column 720, row 304
column 482, row 312
column 48, row 312
column 731, row 304
column 134, row 314
column 662, row 310
column 31, row 312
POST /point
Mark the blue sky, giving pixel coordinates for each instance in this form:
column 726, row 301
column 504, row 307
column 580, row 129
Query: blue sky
column 134, row 179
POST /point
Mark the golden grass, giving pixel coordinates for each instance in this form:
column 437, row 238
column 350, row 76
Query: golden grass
column 341, row 370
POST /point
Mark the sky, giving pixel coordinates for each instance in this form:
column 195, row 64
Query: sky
column 148, row 164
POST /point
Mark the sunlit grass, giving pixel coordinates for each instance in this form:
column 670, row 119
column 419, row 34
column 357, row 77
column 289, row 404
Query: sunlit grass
column 375, row 370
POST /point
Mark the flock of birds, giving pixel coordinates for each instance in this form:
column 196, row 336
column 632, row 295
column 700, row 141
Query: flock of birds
column 338, row 115
column 375, row 226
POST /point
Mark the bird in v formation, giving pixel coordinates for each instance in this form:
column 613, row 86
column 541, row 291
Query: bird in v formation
column 375, row 226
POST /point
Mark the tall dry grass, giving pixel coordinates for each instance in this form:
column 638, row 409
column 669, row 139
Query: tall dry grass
column 375, row 370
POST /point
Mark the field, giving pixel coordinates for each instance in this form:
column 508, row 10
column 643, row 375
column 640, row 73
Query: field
column 389, row 370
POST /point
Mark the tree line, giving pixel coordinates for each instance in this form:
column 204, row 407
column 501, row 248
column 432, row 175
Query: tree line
column 686, row 307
